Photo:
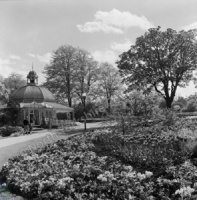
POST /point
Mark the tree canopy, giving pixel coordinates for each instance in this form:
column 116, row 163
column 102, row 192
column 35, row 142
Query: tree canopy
column 14, row 81
column 4, row 93
column 107, row 84
column 162, row 60
column 69, row 73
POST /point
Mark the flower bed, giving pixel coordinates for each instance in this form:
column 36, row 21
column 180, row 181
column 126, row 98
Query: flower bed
column 146, row 147
column 70, row 169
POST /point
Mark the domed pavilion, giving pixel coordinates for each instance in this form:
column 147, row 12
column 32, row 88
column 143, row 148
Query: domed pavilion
column 37, row 102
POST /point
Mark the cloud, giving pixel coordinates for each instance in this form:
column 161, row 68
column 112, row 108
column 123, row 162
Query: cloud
column 121, row 47
column 15, row 57
column 90, row 27
column 42, row 58
column 112, row 55
column 31, row 55
column 5, row 69
column 190, row 26
column 105, row 56
column 4, row 62
column 115, row 21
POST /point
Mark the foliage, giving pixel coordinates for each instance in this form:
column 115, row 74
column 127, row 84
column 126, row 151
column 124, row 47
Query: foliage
column 191, row 97
column 162, row 60
column 79, row 110
column 71, row 169
column 176, row 105
column 140, row 109
column 150, row 148
column 162, row 104
column 140, row 104
column 70, row 73
column 14, row 81
column 13, row 113
column 107, row 84
column 190, row 107
column 6, row 131
column 182, row 101
column 4, row 93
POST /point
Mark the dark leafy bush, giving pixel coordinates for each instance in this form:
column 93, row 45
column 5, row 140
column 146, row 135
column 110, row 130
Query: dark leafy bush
column 13, row 114
column 190, row 107
column 146, row 147
column 91, row 111
column 6, row 131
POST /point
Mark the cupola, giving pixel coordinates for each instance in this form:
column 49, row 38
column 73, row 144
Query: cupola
column 32, row 78
column 32, row 92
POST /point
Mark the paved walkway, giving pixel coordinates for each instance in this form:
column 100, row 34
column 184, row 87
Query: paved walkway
column 13, row 146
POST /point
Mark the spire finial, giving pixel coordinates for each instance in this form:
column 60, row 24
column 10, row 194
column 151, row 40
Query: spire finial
column 32, row 67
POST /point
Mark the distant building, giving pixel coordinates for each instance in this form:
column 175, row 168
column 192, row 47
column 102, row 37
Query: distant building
column 37, row 102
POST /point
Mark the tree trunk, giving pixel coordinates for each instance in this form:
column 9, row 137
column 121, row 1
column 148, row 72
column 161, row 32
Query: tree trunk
column 169, row 102
column 69, row 102
column 109, row 105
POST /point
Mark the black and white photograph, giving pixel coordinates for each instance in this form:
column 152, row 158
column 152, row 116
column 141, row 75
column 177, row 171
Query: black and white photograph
column 98, row 100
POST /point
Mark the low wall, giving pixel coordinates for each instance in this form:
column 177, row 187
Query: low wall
column 186, row 114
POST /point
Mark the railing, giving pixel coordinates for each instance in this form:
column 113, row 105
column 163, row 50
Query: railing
column 185, row 114
column 62, row 124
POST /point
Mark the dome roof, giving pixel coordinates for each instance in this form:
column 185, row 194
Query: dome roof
column 30, row 93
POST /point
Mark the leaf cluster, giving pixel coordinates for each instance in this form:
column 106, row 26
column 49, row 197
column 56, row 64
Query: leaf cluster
column 162, row 60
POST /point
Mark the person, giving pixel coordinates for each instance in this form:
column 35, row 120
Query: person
column 26, row 125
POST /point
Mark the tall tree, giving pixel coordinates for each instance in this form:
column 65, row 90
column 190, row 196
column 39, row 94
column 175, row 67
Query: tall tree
column 107, row 84
column 4, row 93
column 85, row 73
column 59, row 73
column 69, row 73
column 14, row 81
column 162, row 60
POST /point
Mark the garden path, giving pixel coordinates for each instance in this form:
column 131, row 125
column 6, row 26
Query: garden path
column 13, row 146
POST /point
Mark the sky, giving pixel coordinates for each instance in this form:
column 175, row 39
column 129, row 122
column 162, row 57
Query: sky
column 30, row 30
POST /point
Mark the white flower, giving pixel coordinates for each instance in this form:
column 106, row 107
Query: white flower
column 76, row 167
column 52, row 179
column 28, row 158
column 141, row 176
column 131, row 175
column 148, row 174
column 68, row 179
column 3, row 185
column 195, row 185
column 129, row 168
column 185, row 191
column 102, row 178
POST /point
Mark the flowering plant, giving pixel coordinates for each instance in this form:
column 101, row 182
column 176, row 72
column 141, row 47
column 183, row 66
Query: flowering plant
column 75, row 169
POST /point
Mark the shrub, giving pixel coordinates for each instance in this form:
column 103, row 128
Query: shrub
column 91, row 111
column 6, row 131
column 191, row 107
column 13, row 114
column 150, row 148
column 162, row 104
